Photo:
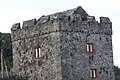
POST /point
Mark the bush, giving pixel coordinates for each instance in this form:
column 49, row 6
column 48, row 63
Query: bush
column 117, row 77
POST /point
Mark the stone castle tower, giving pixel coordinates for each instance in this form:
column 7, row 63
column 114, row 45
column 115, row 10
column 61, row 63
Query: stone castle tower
column 69, row 45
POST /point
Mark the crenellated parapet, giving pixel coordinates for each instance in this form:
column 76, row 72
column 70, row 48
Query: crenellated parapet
column 29, row 23
column 76, row 20
column 68, row 45
column 106, row 25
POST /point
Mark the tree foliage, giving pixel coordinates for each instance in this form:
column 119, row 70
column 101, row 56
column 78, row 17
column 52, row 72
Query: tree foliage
column 117, row 73
column 6, row 45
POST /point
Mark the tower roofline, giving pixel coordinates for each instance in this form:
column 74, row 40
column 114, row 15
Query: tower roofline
column 76, row 20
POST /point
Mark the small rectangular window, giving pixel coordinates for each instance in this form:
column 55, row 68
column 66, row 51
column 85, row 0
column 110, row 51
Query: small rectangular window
column 93, row 73
column 37, row 53
column 90, row 47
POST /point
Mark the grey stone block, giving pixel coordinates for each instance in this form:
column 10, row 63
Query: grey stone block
column 29, row 23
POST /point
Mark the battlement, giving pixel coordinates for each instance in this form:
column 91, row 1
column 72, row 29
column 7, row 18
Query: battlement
column 68, row 45
column 105, row 20
column 29, row 23
column 76, row 20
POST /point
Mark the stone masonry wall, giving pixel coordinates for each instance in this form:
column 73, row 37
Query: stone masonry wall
column 44, row 68
column 62, row 38
column 76, row 62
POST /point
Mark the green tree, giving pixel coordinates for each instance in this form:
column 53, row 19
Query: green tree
column 117, row 73
column 6, row 45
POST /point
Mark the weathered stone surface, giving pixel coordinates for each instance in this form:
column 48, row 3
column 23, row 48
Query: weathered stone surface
column 44, row 19
column 105, row 19
column 90, row 18
column 15, row 27
column 29, row 23
column 62, row 38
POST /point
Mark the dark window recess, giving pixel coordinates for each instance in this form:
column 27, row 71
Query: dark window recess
column 100, row 38
column 71, row 66
column 69, row 18
column 36, row 53
column 90, row 47
column 93, row 73
column 71, row 54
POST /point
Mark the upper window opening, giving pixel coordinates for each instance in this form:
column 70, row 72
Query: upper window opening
column 90, row 47
column 37, row 53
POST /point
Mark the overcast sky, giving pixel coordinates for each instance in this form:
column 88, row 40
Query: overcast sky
column 16, row 11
